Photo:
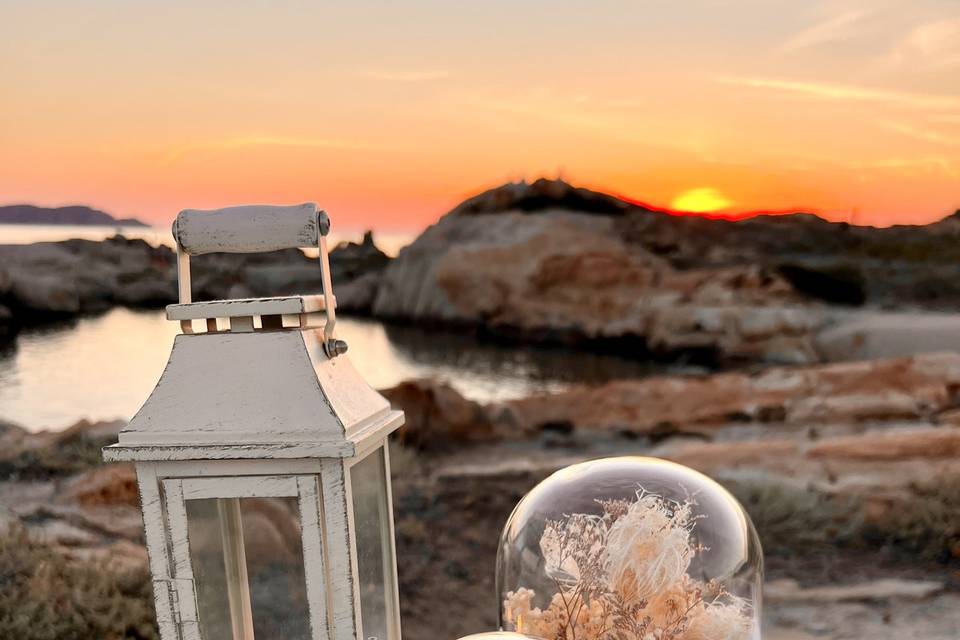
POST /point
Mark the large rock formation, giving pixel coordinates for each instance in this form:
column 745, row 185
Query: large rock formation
column 568, row 276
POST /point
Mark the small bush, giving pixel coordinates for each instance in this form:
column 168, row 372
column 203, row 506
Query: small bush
column 929, row 524
column 791, row 515
column 43, row 596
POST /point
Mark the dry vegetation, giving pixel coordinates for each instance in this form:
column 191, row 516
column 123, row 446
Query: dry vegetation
column 44, row 596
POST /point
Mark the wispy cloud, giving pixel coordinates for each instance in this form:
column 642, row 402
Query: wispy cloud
column 834, row 29
column 827, row 91
column 940, row 165
column 921, row 133
column 407, row 75
column 934, row 44
column 243, row 142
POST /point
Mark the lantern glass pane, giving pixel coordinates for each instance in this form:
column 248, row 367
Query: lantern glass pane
column 375, row 561
column 268, row 550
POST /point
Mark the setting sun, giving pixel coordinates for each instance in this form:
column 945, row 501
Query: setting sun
column 700, row 200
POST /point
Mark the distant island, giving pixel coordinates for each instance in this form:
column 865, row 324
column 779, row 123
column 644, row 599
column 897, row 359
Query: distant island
column 77, row 214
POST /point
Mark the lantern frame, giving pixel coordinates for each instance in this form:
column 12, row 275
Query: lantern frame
column 264, row 409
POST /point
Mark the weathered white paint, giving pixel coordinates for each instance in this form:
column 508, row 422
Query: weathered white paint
column 185, row 612
column 352, row 399
column 249, row 228
column 260, row 487
column 227, row 389
column 314, row 560
column 287, row 451
column 246, row 307
column 237, row 468
column 157, row 551
column 341, row 556
column 257, row 411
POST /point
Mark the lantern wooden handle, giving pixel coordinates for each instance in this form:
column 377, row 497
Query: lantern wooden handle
column 250, row 228
column 256, row 229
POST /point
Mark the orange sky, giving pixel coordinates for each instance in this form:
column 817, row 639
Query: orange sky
column 388, row 114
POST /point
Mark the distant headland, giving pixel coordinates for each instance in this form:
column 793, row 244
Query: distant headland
column 77, row 214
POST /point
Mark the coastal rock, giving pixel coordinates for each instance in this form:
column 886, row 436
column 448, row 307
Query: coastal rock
column 790, row 590
column 89, row 431
column 49, row 454
column 51, row 280
column 357, row 295
column 888, row 334
column 929, row 444
column 114, row 484
column 562, row 275
column 72, row 215
column 438, row 417
column 79, row 276
column 62, row 533
column 900, row 388
column 352, row 260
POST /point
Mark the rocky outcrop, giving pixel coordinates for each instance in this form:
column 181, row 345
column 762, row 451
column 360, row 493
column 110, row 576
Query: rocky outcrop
column 73, row 215
column 840, row 263
column 918, row 387
column 437, row 417
column 351, row 260
column 53, row 280
column 542, row 195
column 114, row 484
column 42, row 455
column 57, row 279
column 565, row 276
column 830, row 493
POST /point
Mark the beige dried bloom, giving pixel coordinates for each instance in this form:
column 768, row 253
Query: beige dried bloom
column 719, row 622
column 573, row 547
column 518, row 608
column 648, row 548
column 623, row 576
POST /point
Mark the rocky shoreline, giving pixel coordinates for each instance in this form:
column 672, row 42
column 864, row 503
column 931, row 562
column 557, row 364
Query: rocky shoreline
column 850, row 472
column 51, row 281
column 550, row 263
column 835, row 420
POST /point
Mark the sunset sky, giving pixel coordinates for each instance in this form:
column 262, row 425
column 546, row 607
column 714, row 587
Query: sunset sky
column 390, row 113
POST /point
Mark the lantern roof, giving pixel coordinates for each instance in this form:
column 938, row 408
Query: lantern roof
column 262, row 394
column 265, row 377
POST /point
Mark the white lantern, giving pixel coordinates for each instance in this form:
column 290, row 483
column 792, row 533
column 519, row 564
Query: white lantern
column 262, row 458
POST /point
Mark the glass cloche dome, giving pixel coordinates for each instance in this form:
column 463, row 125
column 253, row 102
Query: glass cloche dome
column 630, row 548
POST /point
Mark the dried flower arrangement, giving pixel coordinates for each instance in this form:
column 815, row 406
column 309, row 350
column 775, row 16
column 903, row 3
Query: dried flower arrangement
column 623, row 575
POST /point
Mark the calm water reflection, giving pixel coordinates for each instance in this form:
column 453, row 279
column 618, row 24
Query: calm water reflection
column 104, row 367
